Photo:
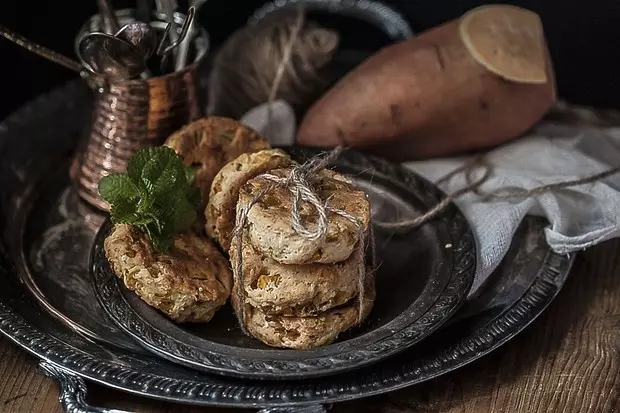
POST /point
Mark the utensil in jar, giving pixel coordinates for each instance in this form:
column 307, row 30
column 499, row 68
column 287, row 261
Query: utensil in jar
column 167, row 7
column 40, row 50
column 165, row 52
column 181, row 58
column 162, row 42
column 110, row 56
column 108, row 17
column 94, row 81
column 141, row 35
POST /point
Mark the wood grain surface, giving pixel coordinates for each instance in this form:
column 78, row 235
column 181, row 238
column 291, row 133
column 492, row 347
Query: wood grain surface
column 566, row 362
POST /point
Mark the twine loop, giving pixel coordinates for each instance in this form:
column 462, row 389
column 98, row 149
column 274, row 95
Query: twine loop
column 498, row 195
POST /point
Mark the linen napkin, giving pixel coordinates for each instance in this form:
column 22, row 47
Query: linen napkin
column 579, row 216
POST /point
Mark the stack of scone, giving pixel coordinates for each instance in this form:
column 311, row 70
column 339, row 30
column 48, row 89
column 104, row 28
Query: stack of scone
column 295, row 292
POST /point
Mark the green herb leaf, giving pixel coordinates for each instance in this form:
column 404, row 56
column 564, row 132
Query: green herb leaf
column 164, row 172
column 123, row 210
column 155, row 195
column 137, row 162
column 116, row 188
column 162, row 243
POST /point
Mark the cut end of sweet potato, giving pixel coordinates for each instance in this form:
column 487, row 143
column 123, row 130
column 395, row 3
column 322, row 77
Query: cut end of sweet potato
column 507, row 40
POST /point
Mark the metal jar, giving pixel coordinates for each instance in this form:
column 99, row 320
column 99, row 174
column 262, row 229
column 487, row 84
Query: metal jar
column 134, row 114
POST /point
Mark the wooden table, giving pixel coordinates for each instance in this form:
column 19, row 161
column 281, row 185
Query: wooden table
column 567, row 362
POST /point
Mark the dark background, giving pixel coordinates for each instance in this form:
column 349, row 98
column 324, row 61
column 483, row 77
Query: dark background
column 583, row 36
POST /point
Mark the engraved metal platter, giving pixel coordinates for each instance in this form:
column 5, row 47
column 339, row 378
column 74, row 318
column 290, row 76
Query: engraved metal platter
column 422, row 278
column 48, row 305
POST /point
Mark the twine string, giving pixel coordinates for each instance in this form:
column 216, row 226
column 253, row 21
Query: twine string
column 281, row 57
column 469, row 168
column 284, row 62
column 300, row 182
column 497, row 195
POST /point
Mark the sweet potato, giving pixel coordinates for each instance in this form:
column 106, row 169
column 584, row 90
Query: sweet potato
column 474, row 82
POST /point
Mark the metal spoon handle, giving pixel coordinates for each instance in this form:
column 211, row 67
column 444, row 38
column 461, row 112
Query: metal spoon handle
column 181, row 58
column 160, row 48
column 168, row 7
column 40, row 50
column 189, row 19
column 110, row 24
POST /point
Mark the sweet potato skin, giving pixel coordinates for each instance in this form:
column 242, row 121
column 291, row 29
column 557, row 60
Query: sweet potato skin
column 425, row 97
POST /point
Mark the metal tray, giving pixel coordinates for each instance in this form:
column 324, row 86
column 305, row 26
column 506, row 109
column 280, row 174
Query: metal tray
column 423, row 276
column 47, row 303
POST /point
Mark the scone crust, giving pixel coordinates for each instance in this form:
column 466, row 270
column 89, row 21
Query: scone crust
column 307, row 332
column 210, row 143
column 188, row 284
column 224, row 194
column 299, row 290
column 269, row 220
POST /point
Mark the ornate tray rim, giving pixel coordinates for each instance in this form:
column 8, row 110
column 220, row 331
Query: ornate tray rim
column 69, row 359
column 67, row 363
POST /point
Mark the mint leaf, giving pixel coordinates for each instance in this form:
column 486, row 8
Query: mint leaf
column 163, row 172
column 162, row 243
column 122, row 211
column 116, row 188
column 170, row 180
column 137, row 162
column 155, row 195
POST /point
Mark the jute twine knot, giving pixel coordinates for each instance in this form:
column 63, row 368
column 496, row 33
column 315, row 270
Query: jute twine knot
column 301, row 182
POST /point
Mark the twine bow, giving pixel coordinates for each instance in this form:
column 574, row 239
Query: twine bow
column 300, row 182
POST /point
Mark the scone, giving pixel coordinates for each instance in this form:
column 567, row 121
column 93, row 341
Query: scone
column 270, row 228
column 307, row 332
column 188, row 284
column 210, row 143
column 220, row 211
column 299, row 290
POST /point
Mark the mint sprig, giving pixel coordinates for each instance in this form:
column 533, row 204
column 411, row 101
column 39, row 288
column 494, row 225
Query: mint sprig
column 155, row 195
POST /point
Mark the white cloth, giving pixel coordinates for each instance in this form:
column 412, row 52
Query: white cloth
column 579, row 216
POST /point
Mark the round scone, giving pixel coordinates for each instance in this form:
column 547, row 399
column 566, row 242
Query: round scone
column 271, row 231
column 188, row 284
column 299, row 290
column 307, row 332
column 210, row 143
column 220, row 211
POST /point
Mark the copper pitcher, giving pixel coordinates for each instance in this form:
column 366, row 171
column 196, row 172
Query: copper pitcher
column 134, row 114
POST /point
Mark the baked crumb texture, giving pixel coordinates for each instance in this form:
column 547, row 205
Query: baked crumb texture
column 298, row 293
